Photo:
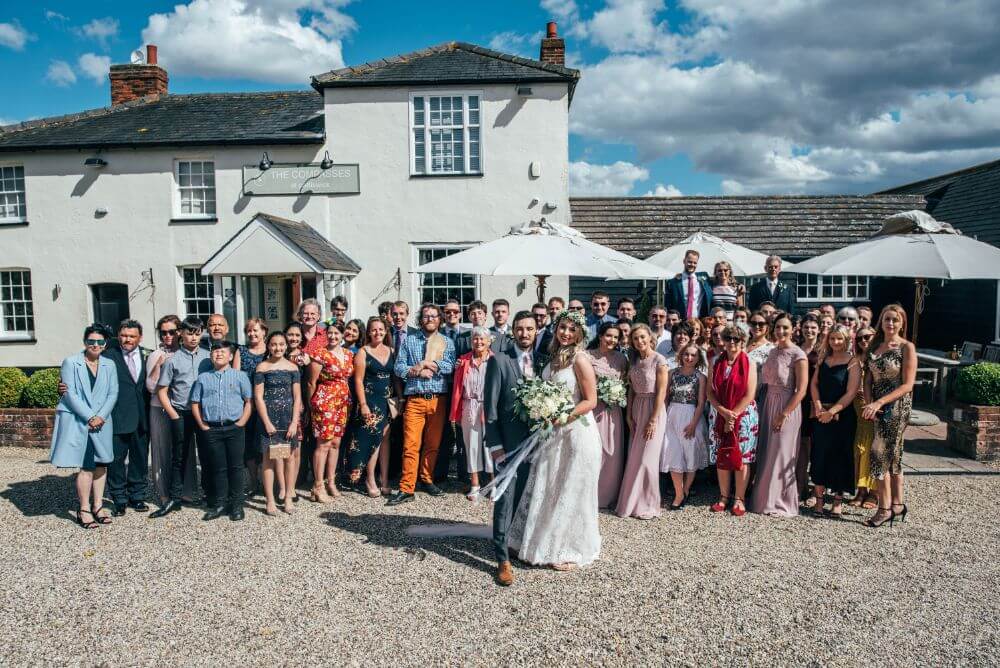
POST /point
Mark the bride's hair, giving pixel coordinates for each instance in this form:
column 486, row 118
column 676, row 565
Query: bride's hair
column 561, row 356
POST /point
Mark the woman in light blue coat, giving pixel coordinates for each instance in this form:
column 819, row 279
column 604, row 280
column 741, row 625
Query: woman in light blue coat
column 82, row 437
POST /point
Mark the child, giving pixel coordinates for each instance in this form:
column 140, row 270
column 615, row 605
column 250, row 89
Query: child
column 278, row 395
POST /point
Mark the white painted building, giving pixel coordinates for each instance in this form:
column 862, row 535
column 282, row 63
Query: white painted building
column 142, row 208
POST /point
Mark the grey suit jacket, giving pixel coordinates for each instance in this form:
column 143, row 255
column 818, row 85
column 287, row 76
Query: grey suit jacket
column 503, row 427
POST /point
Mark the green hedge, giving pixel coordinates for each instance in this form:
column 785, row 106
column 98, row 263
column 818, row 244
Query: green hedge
column 979, row 384
column 12, row 382
column 42, row 390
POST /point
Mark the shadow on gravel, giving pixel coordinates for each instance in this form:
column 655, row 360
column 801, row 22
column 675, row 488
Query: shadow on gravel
column 389, row 531
column 49, row 495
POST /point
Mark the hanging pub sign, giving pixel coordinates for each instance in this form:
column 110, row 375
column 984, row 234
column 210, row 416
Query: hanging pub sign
column 301, row 179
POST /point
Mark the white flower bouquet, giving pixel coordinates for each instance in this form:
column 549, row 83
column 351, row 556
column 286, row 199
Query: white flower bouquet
column 543, row 403
column 612, row 391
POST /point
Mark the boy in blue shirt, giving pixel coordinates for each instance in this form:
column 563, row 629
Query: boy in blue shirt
column 220, row 404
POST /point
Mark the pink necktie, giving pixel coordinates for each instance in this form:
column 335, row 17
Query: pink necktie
column 690, row 300
column 131, row 366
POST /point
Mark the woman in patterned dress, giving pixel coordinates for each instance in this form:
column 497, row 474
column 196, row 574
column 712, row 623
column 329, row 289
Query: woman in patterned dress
column 277, row 391
column 726, row 292
column 295, row 354
column 467, row 406
column 372, row 386
column 247, row 358
column 685, row 450
column 891, row 370
column 864, row 433
column 330, row 400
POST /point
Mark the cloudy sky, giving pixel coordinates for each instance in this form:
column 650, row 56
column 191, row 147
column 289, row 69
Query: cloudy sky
column 677, row 97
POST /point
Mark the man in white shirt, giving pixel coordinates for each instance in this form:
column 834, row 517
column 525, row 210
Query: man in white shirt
column 501, row 312
column 658, row 323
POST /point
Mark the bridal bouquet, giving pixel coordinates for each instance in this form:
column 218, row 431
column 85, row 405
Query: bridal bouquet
column 612, row 391
column 542, row 403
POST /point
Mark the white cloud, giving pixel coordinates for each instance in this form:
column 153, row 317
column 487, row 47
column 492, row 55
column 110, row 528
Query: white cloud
column 669, row 190
column 265, row 40
column 102, row 30
column 519, row 44
column 55, row 16
column 94, row 66
column 60, row 73
column 14, row 36
column 611, row 180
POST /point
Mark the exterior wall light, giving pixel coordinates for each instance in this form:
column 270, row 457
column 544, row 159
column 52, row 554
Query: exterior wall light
column 265, row 162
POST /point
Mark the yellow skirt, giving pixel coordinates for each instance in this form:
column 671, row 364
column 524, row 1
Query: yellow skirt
column 862, row 449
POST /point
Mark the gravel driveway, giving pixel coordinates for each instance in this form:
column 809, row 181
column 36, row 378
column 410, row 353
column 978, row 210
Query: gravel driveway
column 342, row 584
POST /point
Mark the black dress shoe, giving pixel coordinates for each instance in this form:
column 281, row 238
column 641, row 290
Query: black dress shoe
column 118, row 509
column 214, row 513
column 138, row 506
column 398, row 498
column 169, row 507
column 237, row 514
column 430, row 488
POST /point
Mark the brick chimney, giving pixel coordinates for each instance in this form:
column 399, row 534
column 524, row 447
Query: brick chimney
column 130, row 82
column 553, row 46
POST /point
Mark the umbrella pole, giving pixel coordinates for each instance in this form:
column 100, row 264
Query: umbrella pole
column 540, row 286
column 918, row 305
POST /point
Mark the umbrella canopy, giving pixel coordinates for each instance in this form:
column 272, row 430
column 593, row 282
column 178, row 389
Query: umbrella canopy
column 712, row 249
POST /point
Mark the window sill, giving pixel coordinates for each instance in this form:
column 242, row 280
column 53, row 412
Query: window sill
column 474, row 175
column 13, row 223
column 17, row 338
column 194, row 221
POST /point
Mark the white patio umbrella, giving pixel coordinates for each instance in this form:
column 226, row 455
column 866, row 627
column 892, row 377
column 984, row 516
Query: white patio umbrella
column 712, row 249
column 544, row 249
column 911, row 244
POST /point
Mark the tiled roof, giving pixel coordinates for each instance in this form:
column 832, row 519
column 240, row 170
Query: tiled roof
column 795, row 227
column 448, row 63
column 313, row 244
column 294, row 117
column 969, row 199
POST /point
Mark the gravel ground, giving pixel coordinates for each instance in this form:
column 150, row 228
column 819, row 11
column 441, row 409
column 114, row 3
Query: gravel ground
column 341, row 583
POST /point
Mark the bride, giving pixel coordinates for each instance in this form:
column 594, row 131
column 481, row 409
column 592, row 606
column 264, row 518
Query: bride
column 556, row 521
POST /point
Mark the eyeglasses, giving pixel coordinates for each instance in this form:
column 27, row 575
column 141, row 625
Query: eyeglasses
column 576, row 308
column 866, row 337
column 731, row 339
column 168, row 332
column 846, row 318
column 95, row 342
column 758, row 323
column 428, row 316
column 452, row 311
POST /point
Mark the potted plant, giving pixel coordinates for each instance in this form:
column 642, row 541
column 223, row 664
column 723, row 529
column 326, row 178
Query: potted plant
column 974, row 424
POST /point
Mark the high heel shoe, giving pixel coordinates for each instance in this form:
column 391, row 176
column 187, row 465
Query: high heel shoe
column 720, row 505
column 319, row 494
column 902, row 514
column 738, row 512
column 86, row 525
column 874, row 524
column 679, row 505
column 100, row 519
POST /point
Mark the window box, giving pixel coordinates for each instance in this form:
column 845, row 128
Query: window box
column 445, row 133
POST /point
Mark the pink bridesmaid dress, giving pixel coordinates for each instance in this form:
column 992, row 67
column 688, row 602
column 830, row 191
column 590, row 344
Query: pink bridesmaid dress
column 611, row 425
column 640, row 492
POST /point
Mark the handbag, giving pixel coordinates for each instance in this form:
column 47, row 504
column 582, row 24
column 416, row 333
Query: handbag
column 278, row 447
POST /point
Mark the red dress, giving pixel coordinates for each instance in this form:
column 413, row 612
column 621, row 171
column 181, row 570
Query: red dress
column 331, row 402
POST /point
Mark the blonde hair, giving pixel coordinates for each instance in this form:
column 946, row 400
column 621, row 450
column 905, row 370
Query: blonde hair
column 722, row 264
column 254, row 321
column 562, row 356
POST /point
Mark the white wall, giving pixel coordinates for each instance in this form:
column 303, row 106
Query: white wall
column 66, row 244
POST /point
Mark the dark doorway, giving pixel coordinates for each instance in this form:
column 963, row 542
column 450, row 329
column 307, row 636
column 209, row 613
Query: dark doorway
column 110, row 303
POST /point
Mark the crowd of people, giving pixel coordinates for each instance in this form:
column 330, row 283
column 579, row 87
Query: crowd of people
column 792, row 411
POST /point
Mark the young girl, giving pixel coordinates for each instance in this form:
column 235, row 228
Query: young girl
column 295, row 354
column 685, row 450
column 278, row 397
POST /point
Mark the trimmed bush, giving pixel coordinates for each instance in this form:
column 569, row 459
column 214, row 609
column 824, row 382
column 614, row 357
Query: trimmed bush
column 979, row 384
column 12, row 382
column 42, row 390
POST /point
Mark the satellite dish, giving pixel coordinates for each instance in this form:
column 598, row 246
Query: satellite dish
column 138, row 57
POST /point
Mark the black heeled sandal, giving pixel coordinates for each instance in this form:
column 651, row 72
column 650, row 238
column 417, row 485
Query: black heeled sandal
column 902, row 514
column 86, row 525
column 100, row 519
column 871, row 522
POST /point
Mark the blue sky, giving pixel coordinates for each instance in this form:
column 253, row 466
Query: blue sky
column 691, row 96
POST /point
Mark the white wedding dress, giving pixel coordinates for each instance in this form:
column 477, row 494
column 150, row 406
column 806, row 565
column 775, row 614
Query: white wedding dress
column 556, row 520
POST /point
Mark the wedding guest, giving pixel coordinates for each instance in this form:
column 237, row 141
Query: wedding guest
column 660, row 330
column 383, row 310
column 864, row 316
column 220, row 405
column 277, row 387
column 741, row 315
column 600, row 302
column 399, row 314
column 865, row 431
column 697, row 333
column 682, row 335
column 726, row 292
column 130, row 417
column 338, row 310
column 626, row 309
column 673, row 317
column 501, row 314
column 160, row 440
column 689, row 293
column 833, row 389
column 732, row 384
column 848, row 317
column 313, row 336
column 295, row 354
column 685, row 450
column 828, row 310
column 608, row 362
column 640, row 489
column 248, row 357
column 771, row 289
column 352, row 335
column 720, row 316
column 467, row 406
column 555, row 306
column 715, row 345
column 425, row 410
column 352, row 340
column 452, row 446
column 373, row 387
column 216, row 329
column 760, row 345
column 768, row 310
column 576, row 306
column 809, row 342
column 83, row 434
column 330, row 401
column 826, row 322
column 890, row 373
column 786, row 374
column 625, row 330
column 177, row 376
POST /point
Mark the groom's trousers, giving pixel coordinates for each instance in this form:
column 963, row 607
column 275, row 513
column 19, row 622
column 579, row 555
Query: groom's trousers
column 505, row 507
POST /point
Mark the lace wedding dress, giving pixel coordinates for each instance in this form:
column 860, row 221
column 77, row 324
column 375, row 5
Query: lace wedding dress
column 556, row 521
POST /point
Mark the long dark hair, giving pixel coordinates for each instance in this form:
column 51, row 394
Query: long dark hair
column 595, row 342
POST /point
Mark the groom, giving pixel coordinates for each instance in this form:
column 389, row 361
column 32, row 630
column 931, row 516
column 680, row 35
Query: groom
column 505, row 430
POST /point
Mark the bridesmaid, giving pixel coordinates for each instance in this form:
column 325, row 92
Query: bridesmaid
column 330, row 401
column 786, row 375
column 640, row 489
column 278, row 397
column 865, row 498
column 891, row 370
column 608, row 362
column 833, row 389
column 372, row 386
column 686, row 448
column 732, row 384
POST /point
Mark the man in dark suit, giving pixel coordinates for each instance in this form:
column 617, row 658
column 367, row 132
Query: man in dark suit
column 130, row 417
column 770, row 289
column 505, row 430
column 688, row 293
column 477, row 317
column 451, row 440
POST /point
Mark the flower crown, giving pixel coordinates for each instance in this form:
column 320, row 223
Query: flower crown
column 575, row 316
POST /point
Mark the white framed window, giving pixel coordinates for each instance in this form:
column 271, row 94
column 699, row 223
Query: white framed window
column 438, row 288
column 13, row 207
column 197, row 293
column 17, row 312
column 445, row 133
column 195, row 189
column 813, row 288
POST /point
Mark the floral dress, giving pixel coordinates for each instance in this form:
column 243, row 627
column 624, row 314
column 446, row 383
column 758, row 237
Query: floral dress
column 368, row 435
column 331, row 402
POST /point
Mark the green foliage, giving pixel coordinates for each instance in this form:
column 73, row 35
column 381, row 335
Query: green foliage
column 979, row 384
column 42, row 390
column 643, row 307
column 12, row 382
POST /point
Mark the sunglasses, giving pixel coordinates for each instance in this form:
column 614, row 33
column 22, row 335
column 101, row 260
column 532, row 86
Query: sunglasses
column 845, row 318
column 866, row 337
column 731, row 339
column 168, row 332
column 452, row 311
column 95, row 342
column 758, row 323
column 576, row 308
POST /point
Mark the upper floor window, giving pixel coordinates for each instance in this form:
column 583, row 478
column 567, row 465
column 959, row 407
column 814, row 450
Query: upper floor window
column 195, row 189
column 17, row 313
column 12, row 205
column 812, row 288
column 445, row 133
